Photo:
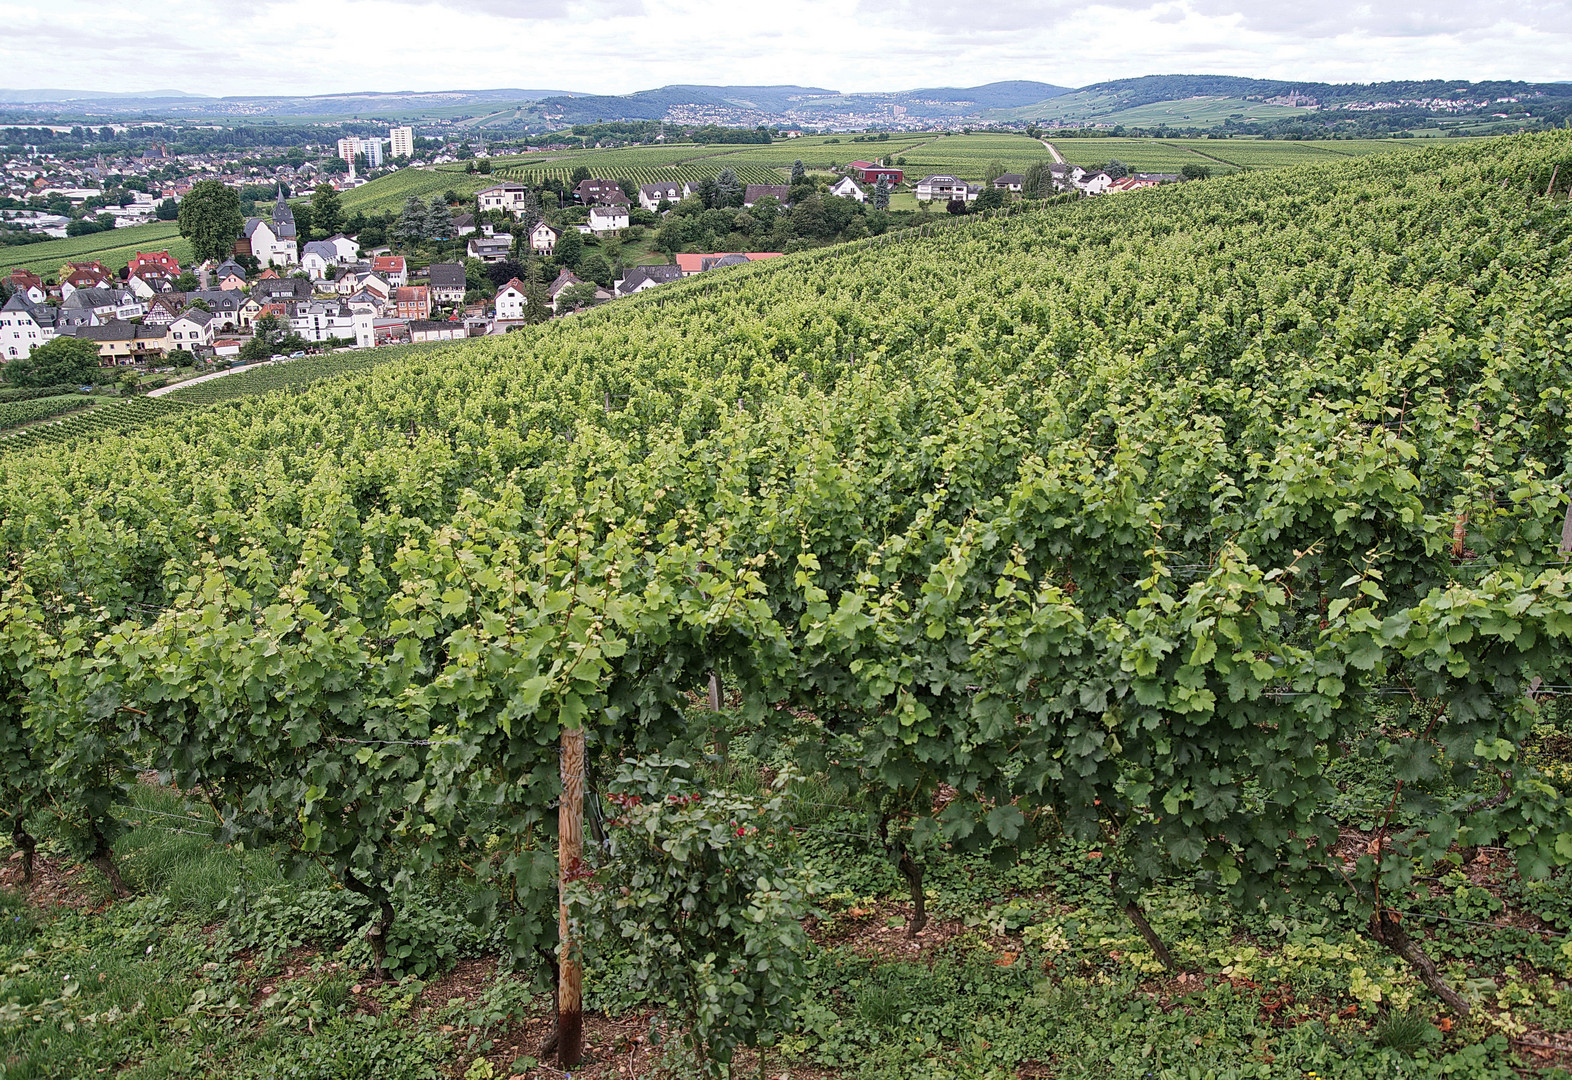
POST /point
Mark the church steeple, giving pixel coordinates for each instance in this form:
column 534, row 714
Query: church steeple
column 283, row 217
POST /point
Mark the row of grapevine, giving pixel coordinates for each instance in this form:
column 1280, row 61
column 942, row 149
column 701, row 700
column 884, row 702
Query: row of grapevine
column 1114, row 520
column 116, row 416
column 16, row 413
column 647, row 174
column 265, row 378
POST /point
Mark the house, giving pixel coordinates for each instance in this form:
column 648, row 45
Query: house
column 697, row 264
column 193, row 328
column 91, row 275
column 412, row 302
column 319, row 320
column 120, row 342
column 234, row 310
column 554, row 290
column 463, row 224
column 367, row 301
column 159, row 260
column 605, row 219
column 942, row 188
column 93, row 307
column 847, row 188
column 1156, row 177
column 1009, row 182
column 290, row 288
column 509, row 301
column 652, row 195
column 319, row 258
column 150, row 283
column 754, row 192
column 426, row 330
column 543, row 239
column 28, row 284
column 24, row 325
column 392, row 269
column 489, row 248
column 505, row 196
column 600, row 193
column 347, row 247
column 1129, row 183
column 870, row 173
column 1094, row 183
column 260, row 241
column 389, row 332
column 230, row 277
column 448, row 283
column 640, row 278
column 163, row 310
column 226, row 348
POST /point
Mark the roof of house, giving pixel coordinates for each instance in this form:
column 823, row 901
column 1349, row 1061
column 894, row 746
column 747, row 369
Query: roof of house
column 408, row 294
column 198, row 316
column 515, row 284
column 639, row 275
column 608, row 211
column 661, row 190
column 1006, row 179
column 938, row 178
column 505, row 186
column 447, row 275
column 547, row 228
column 97, row 298
column 323, row 248
column 696, row 263
column 754, row 192
column 564, row 279
column 119, row 330
column 290, row 286
column 25, row 278
column 393, row 263
column 433, row 324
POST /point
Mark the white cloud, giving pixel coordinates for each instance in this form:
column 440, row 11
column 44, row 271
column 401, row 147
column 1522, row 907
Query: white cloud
column 618, row 46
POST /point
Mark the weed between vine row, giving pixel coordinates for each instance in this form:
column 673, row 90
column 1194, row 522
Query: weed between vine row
column 220, row 966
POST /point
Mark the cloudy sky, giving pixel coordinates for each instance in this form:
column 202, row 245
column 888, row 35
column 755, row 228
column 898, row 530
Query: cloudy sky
column 617, row 46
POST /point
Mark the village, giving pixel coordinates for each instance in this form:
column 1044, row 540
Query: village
column 276, row 293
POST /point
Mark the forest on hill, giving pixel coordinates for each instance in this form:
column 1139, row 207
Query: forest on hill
column 1129, row 637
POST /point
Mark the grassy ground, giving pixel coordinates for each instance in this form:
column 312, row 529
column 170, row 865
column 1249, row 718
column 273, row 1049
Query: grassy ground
column 114, row 249
column 222, row 966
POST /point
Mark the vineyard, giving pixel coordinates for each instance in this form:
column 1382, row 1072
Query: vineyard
column 645, row 174
column 114, row 249
column 15, row 413
column 113, row 417
column 1123, row 638
column 294, row 374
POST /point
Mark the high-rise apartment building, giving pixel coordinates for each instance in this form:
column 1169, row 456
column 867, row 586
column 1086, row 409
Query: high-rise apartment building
column 372, row 148
column 403, row 140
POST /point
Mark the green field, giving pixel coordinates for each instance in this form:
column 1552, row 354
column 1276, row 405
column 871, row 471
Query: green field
column 1111, row 108
column 390, row 192
column 114, row 249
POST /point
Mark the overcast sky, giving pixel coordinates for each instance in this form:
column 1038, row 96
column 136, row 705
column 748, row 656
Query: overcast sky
column 617, row 46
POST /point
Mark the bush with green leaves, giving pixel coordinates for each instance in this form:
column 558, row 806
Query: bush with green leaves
column 706, row 891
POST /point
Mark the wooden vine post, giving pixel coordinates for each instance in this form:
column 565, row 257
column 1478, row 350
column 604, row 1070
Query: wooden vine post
column 570, row 852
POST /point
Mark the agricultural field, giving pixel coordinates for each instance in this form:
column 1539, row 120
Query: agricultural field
column 87, row 425
column 390, row 192
column 16, row 413
column 1140, row 642
column 1142, row 155
column 296, row 374
column 114, row 249
column 647, row 174
column 968, row 156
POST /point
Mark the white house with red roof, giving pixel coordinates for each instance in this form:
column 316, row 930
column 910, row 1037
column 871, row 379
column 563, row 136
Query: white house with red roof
column 510, row 299
column 392, row 269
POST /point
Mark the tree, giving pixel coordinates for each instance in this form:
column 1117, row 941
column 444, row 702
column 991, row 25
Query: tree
column 168, row 210
column 995, row 170
column 56, row 362
column 537, row 306
column 210, row 219
column 1116, row 169
column 799, row 172
column 269, row 330
column 594, row 267
column 728, row 189
column 570, row 248
column 881, row 194
column 439, row 220
column 991, row 198
column 186, row 281
column 1195, row 172
column 411, row 227
column 577, row 296
column 305, row 221
column 327, row 212
column 579, row 175
column 484, row 166
column 1038, row 181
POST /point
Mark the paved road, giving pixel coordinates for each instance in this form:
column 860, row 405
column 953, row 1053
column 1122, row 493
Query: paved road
column 1057, row 157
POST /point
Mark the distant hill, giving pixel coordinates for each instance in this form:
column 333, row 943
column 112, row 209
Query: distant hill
column 994, row 95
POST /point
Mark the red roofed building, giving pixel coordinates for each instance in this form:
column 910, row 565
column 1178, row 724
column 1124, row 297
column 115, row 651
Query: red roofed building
column 390, row 268
column 86, row 275
column 412, row 302
column 28, row 284
column 268, row 275
column 870, row 173
column 697, row 264
column 510, row 300
column 162, row 260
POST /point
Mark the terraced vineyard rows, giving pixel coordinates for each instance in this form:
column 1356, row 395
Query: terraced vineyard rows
column 265, row 378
